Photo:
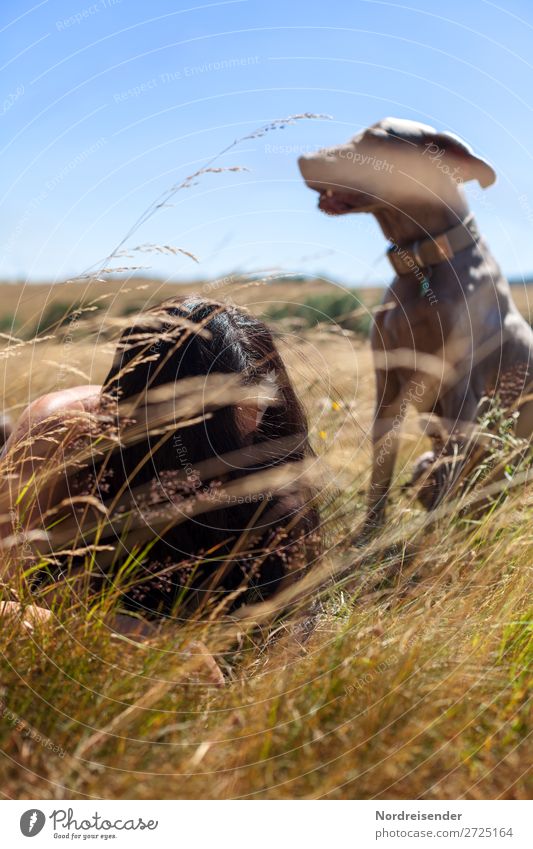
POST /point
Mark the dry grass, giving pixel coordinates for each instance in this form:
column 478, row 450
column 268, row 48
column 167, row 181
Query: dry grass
column 409, row 680
column 410, row 686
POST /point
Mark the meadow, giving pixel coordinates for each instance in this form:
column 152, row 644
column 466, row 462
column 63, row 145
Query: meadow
column 410, row 680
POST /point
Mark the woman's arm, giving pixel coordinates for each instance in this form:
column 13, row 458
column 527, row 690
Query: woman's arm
column 43, row 431
column 51, row 406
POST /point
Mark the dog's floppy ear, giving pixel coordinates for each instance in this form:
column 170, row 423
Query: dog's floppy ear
column 470, row 166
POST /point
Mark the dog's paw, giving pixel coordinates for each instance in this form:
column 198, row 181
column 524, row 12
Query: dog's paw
column 426, row 480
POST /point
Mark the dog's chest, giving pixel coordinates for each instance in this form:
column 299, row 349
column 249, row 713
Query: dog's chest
column 415, row 321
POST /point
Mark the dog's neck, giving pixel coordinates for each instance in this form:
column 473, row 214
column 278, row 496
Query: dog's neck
column 402, row 227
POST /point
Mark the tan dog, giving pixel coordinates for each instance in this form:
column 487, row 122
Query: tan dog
column 452, row 334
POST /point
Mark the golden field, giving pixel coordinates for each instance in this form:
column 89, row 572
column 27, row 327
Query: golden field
column 414, row 681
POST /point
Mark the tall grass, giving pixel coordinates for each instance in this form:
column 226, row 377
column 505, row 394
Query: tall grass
column 411, row 679
column 397, row 670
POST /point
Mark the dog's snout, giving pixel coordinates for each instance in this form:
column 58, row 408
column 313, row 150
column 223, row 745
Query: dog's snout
column 305, row 162
column 309, row 166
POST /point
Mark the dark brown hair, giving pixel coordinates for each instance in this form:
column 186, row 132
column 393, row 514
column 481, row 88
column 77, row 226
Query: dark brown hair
column 239, row 550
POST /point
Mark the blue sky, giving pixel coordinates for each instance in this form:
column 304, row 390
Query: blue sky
column 106, row 104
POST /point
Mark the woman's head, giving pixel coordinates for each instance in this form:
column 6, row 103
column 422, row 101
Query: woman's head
column 196, row 340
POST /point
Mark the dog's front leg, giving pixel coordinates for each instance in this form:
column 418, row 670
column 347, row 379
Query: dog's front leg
column 388, row 420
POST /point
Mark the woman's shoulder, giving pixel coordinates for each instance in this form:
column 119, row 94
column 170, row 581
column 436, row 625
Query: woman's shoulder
column 76, row 399
column 80, row 398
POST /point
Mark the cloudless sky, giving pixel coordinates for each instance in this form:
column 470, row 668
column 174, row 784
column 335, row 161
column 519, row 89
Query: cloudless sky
column 105, row 105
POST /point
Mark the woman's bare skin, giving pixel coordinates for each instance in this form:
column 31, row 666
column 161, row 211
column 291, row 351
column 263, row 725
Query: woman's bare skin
column 30, row 447
column 77, row 398
column 68, row 408
column 42, row 434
